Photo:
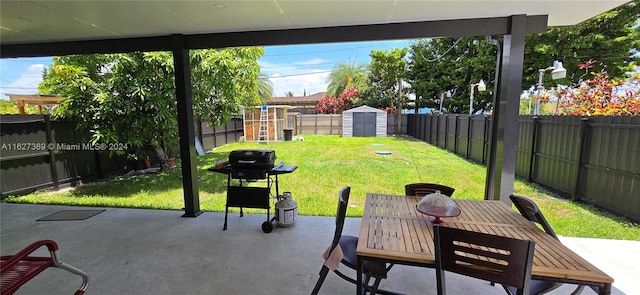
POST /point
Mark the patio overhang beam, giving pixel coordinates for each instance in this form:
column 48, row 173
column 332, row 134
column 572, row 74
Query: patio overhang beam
column 374, row 32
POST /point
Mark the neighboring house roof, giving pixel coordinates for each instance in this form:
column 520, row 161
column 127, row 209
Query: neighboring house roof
column 297, row 100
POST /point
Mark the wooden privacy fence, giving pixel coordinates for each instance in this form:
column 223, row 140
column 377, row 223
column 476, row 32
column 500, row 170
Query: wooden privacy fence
column 322, row 124
column 220, row 135
column 593, row 159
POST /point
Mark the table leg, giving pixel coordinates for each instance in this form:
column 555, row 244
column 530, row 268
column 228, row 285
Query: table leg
column 359, row 275
column 604, row 289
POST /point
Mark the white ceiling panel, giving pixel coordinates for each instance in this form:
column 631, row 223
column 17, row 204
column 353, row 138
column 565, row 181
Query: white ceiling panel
column 46, row 21
column 226, row 16
column 318, row 13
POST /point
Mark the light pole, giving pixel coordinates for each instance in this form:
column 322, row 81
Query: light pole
column 557, row 72
column 481, row 87
column 448, row 94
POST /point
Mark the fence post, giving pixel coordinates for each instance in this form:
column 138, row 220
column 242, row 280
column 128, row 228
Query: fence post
column 429, row 130
column 434, row 141
column 438, row 130
column 421, row 126
column 469, row 125
column 446, row 128
column 455, row 134
column 331, row 124
column 484, row 140
column 235, row 129
column 584, row 124
column 532, row 148
column 52, row 152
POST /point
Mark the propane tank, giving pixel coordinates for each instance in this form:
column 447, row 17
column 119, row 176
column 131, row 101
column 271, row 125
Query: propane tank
column 286, row 210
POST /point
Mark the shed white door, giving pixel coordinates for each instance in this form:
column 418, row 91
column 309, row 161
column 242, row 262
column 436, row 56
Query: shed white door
column 364, row 124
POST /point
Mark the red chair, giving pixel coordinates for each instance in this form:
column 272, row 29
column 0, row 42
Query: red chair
column 16, row 270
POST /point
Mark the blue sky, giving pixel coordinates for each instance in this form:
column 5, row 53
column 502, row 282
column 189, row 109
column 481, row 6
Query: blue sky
column 303, row 68
column 296, row 68
column 21, row 75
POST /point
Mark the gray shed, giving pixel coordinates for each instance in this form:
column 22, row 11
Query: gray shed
column 364, row 121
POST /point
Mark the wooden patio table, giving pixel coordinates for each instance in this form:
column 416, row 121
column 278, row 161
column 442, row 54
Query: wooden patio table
column 394, row 231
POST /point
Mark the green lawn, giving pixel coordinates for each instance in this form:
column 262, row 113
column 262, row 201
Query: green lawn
column 328, row 163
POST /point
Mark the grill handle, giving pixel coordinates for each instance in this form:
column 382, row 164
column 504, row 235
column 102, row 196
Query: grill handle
column 247, row 161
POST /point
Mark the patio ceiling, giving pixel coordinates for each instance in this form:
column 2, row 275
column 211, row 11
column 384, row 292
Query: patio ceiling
column 23, row 22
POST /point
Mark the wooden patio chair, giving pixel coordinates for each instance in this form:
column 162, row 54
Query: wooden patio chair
column 17, row 270
column 503, row 260
column 532, row 212
column 347, row 246
column 423, row 189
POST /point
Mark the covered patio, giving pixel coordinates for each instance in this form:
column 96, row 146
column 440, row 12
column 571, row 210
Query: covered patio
column 132, row 251
column 128, row 251
column 53, row 28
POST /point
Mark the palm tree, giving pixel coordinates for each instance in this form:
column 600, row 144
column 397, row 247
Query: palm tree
column 344, row 76
column 265, row 88
column 288, row 93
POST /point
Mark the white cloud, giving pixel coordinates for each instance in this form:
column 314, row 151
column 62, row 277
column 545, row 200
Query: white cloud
column 315, row 81
column 27, row 83
column 300, row 77
column 314, row 61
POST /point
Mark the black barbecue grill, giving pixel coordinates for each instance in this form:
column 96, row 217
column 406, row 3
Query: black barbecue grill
column 251, row 166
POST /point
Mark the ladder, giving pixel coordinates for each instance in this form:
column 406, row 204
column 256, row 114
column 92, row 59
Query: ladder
column 263, row 132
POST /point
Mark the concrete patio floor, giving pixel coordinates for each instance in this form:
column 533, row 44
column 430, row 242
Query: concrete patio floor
column 131, row 251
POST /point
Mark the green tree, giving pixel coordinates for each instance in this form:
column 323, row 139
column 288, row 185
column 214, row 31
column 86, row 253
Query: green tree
column 611, row 38
column 346, row 75
column 446, row 68
column 265, row 88
column 130, row 98
column 386, row 72
column 448, row 65
column 223, row 80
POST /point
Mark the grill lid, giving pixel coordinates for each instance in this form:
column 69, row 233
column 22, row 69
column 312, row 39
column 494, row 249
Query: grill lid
column 252, row 159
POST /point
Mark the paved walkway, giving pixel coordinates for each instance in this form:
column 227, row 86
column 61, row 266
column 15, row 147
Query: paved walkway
column 130, row 251
column 618, row 258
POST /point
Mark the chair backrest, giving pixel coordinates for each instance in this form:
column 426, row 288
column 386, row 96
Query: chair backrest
column 423, row 189
column 341, row 214
column 493, row 258
column 530, row 211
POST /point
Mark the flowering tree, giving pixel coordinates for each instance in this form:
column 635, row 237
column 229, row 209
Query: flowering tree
column 336, row 105
column 601, row 95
